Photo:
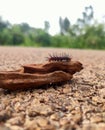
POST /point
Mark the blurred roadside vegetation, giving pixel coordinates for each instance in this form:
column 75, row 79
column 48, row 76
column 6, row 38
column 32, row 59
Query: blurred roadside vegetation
column 85, row 33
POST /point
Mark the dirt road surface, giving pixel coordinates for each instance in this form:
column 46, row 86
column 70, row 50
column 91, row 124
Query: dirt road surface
column 76, row 105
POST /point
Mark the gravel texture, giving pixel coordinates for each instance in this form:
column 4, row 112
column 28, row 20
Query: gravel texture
column 75, row 105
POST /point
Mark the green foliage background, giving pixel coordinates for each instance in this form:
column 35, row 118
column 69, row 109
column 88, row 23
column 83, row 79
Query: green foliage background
column 85, row 33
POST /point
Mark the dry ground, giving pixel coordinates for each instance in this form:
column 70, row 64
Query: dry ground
column 77, row 105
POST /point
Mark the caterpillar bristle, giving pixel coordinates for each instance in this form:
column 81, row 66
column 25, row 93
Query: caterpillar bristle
column 63, row 57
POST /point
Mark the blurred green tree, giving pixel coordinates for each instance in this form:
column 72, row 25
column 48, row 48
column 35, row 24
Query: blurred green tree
column 64, row 25
column 46, row 26
column 25, row 27
column 4, row 24
column 43, row 38
column 61, row 25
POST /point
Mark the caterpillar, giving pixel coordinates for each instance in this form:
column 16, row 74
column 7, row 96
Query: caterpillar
column 61, row 58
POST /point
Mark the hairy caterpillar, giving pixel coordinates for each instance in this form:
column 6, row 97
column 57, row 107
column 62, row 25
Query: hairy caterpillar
column 59, row 58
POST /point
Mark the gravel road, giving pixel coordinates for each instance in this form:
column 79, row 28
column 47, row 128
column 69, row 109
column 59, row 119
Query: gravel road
column 76, row 105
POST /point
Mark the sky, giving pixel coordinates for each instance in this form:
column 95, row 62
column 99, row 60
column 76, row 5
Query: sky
column 35, row 12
